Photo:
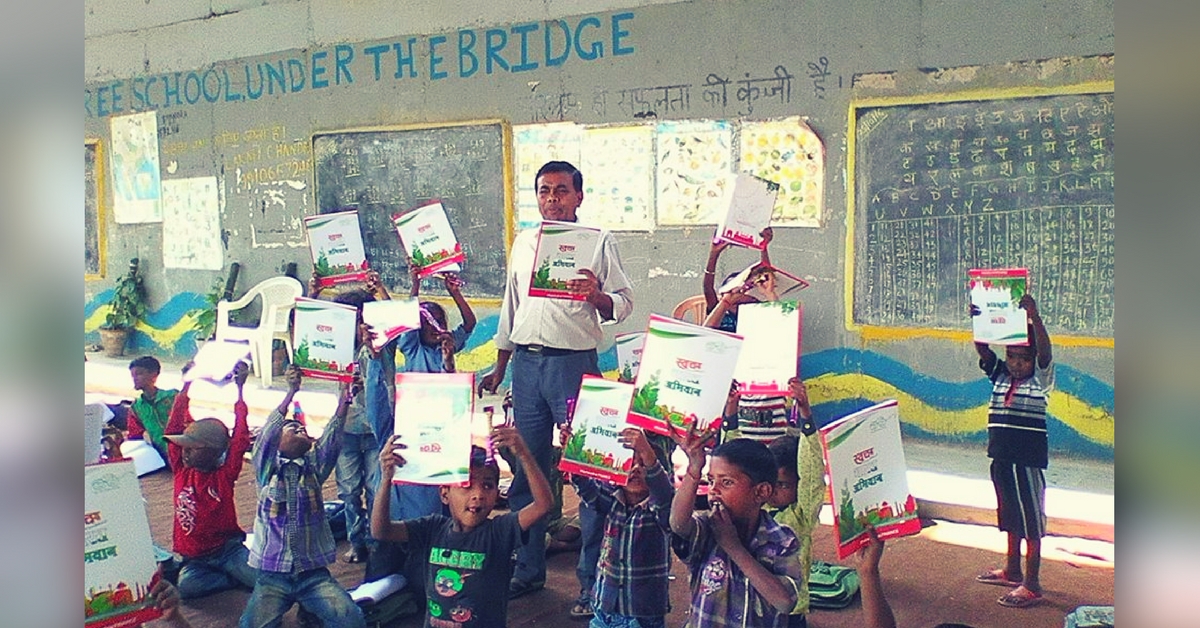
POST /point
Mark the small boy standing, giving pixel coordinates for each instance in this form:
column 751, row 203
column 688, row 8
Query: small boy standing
column 635, row 558
column 151, row 409
column 207, row 463
column 799, row 490
column 293, row 543
column 469, row 554
column 1017, row 445
column 745, row 567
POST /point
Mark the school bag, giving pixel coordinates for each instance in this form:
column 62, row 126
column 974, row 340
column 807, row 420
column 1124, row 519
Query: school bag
column 1091, row 617
column 831, row 586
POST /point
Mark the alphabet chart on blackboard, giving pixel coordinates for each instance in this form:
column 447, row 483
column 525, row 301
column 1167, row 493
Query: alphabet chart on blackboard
column 942, row 184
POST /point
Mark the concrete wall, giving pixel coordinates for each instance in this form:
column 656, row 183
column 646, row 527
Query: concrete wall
column 189, row 60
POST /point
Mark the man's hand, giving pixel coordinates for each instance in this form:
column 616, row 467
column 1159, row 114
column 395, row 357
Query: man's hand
column 767, row 235
column 1029, row 305
column 694, row 443
column 390, row 458
column 564, row 433
column 871, row 553
column 798, row 391
column 241, row 371
column 717, row 248
column 635, row 439
column 374, row 283
column 313, row 286
column 508, row 437
column 452, row 282
column 723, row 529
column 490, row 383
column 588, row 285
column 292, row 376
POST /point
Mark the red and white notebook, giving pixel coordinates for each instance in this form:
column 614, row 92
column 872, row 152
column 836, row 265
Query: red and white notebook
column 118, row 553
column 563, row 249
column 335, row 241
column 751, row 202
column 428, row 239
column 434, row 415
column 996, row 293
column 323, row 335
column 868, row 477
column 594, row 449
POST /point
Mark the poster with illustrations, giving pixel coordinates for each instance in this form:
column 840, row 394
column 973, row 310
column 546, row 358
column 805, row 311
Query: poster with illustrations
column 562, row 249
column 770, row 346
column 996, row 293
column 323, row 334
column 684, row 377
column 619, row 186
column 216, row 360
column 594, row 449
column 695, row 158
column 751, row 201
column 629, row 347
column 435, row 415
column 191, row 224
column 118, row 553
column 533, row 146
column 868, row 477
column 337, row 248
column 428, row 238
column 136, row 182
column 389, row 318
column 788, row 152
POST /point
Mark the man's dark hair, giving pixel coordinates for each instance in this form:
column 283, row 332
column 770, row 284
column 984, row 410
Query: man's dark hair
column 354, row 298
column 147, row 362
column 561, row 166
column 751, row 456
column 785, row 448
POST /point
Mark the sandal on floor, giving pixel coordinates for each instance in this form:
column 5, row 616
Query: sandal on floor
column 582, row 608
column 997, row 577
column 1020, row 597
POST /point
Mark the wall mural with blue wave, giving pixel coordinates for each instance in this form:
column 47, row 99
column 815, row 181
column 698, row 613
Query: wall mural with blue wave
column 840, row 381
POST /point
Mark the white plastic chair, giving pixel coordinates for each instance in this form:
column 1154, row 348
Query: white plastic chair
column 278, row 298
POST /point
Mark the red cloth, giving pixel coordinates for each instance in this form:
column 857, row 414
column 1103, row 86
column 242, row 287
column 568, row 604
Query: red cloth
column 205, row 513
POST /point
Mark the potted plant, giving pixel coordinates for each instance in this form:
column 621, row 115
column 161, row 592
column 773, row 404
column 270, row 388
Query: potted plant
column 204, row 320
column 127, row 307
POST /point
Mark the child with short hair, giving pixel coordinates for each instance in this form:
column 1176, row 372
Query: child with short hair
column 293, row 544
column 799, row 490
column 1017, row 445
column 469, row 554
column 150, row 410
column 635, row 560
column 745, row 567
column 207, row 463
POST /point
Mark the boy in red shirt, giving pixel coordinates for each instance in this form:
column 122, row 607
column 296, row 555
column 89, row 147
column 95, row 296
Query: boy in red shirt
column 207, row 463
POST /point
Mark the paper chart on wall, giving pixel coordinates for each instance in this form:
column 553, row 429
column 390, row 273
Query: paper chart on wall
column 192, row 224
column 789, row 153
column 137, row 192
column 694, row 170
column 618, row 163
column 533, row 146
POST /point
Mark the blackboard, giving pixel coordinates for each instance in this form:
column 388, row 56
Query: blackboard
column 943, row 187
column 385, row 172
column 93, row 220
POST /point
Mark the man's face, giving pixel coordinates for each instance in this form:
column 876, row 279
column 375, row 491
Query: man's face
column 142, row 378
column 557, row 197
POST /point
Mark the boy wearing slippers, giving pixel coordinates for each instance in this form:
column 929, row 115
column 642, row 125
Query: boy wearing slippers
column 1017, row 445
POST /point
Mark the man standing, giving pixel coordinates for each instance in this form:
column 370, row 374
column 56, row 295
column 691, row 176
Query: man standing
column 552, row 344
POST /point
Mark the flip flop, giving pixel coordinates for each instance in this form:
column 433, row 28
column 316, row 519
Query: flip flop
column 1020, row 597
column 997, row 577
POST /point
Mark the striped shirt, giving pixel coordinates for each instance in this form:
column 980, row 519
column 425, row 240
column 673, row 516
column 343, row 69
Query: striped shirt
column 291, row 534
column 635, row 557
column 1017, row 421
column 721, row 592
column 761, row 417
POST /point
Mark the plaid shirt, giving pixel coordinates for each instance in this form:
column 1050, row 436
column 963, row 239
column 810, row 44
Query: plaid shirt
column 635, row 556
column 291, row 533
column 721, row 593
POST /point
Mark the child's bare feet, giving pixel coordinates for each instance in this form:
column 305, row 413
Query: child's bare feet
column 356, row 554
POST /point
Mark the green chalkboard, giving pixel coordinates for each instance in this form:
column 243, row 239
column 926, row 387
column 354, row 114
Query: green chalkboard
column 93, row 219
column 1022, row 181
column 384, row 172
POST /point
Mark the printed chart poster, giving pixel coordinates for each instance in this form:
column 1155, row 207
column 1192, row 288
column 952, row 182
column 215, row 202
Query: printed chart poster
column 337, row 248
column 868, row 477
column 765, row 283
column 619, row 187
column 563, row 248
column 323, row 334
column 118, row 553
column 191, row 224
column 629, row 354
column 137, row 191
column 996, row 293
column 694, row 162
column 751, row 202
column 390, row 318
column 595, row 449
column 434, row 413
column 685, row 375
column 428, row 238
column 533, row 146
column 789, row 153
column 770, row 347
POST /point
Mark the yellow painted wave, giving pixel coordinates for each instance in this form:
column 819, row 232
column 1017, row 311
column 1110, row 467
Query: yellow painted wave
column 165, row 338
